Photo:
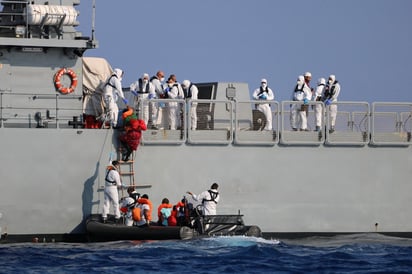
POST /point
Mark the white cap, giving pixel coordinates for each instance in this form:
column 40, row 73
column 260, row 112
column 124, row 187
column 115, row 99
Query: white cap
column 264, row 81
column 308, row 74
column 332, row 77
column 145, row 75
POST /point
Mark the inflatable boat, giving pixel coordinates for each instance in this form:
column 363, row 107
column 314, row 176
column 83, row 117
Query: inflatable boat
column 201, row 226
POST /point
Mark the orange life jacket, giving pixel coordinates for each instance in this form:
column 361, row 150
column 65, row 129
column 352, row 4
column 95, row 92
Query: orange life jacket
column 127, row 113
column 147, row 201
column 159, row 215
column 136, row 214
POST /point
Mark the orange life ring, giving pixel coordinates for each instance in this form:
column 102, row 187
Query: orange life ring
column 58, row 84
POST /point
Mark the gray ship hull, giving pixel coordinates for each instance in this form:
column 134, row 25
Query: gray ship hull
column 52, row 180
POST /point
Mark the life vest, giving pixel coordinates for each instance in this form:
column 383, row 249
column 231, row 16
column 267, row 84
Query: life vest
column 110, row 168
column 188, row 93
column 127, row 113
column 136, row 214
column 298, row 94
column 213, row 196
column 180, row 209
column 159, row 214
column 141, row 90
column 330, row 91
column 171, row 221
column 169, row 89
column 147, row 201
column 263, row 90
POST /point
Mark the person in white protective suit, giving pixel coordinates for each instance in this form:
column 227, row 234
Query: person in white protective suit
column 112, row 91
column 190, row 92
column 154, row 107
column 173, row 91
column 209, row 199
column 302, row 93
column 320, row 88
column 128, row 203
column 264, row 93
column 111, row 194
column 144, row 90
column 331, row 94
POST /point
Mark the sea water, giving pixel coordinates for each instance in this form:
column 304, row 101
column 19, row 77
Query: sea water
column 361, row 253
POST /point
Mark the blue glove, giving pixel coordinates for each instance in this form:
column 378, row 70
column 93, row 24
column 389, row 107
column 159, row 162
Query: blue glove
column 328, row 102
column 134, row 93
column 151, row 96
column 125, row 101
column 305, row 101
column 263, row 96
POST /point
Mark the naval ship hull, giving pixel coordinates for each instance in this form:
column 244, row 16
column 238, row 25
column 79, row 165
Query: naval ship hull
column 52, row 181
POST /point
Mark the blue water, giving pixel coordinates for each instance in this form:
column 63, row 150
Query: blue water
column 362, row 253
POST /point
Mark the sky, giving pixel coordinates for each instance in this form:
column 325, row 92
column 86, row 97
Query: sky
column 367, row 44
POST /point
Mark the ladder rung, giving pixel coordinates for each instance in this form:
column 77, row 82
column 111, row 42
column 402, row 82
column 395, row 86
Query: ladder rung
column 127, row 173
column 128, row 162
column 140, row 186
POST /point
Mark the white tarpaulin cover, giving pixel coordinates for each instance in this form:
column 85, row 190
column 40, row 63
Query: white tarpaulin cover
column 95, row 73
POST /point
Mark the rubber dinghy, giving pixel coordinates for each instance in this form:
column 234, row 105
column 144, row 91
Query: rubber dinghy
column 201, row 226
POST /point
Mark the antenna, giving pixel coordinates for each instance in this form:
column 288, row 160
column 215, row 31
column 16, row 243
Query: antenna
column 93, row 18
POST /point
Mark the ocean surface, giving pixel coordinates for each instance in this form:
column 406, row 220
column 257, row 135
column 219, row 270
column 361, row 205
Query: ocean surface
column 360, row 253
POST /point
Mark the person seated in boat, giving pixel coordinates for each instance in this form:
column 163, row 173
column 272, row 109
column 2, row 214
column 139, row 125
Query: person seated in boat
column 130, row 140
column 127, row 205
column 172, row 221
column 209, row 199
column 145, row 209
column 131, row 190
column 182, row 212
column 164, row 211
column 111, row 194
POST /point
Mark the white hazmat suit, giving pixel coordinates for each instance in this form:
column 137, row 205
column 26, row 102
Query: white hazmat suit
column 264, row 93
column 112, row 91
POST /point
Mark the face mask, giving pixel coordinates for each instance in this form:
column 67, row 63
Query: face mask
column 330, row 81
column 145, row 82
column 170, row 85
column 264, row 85
column 162, row 79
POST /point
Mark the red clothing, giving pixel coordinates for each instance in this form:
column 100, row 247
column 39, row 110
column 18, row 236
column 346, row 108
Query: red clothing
column 137, row 124
column 132, row 138
column 133, row 133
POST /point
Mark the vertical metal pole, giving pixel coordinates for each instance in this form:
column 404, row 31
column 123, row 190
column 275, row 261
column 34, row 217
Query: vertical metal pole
column 57, row 111
column 1, row 109
column 93, row 18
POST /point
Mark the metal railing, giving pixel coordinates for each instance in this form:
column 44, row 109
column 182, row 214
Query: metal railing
column 223, row 122
column 40, row 111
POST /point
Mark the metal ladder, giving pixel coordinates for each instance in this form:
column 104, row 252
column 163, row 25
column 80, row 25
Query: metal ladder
column 126, row 170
